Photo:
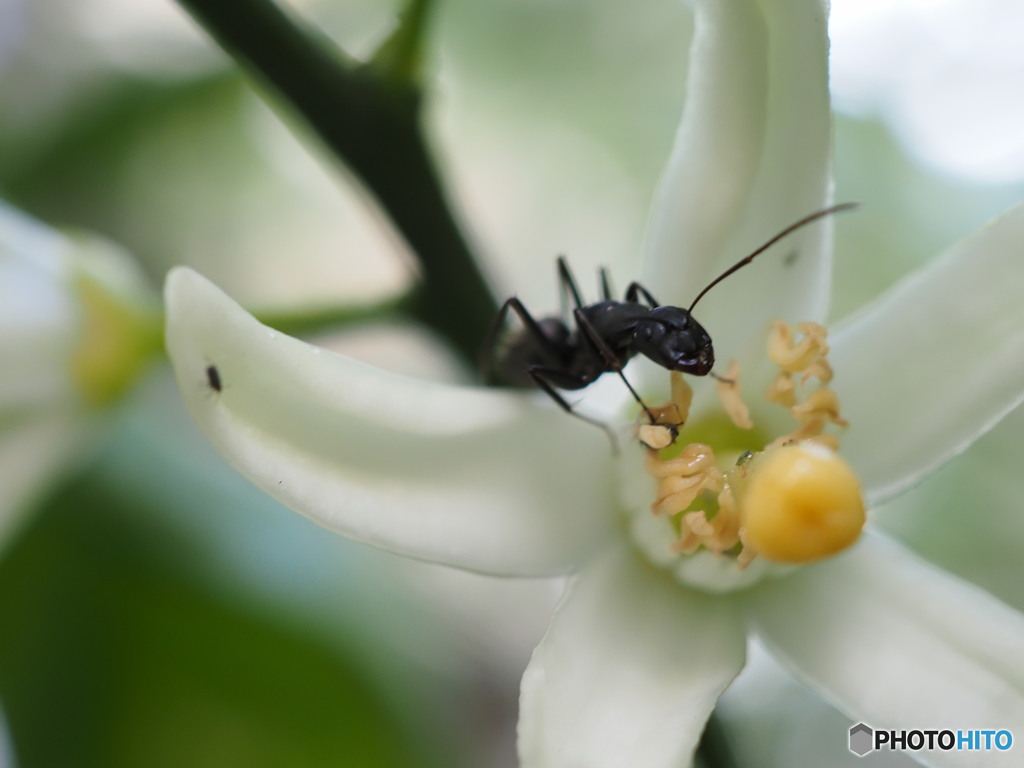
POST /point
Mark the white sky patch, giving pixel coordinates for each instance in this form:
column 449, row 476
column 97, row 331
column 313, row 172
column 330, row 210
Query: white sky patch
column 947, row 75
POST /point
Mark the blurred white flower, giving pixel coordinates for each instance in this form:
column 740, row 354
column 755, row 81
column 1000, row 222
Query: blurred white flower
column 496, row 482
column 77, row 327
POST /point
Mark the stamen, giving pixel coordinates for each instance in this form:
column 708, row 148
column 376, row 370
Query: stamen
column 820, row 370
column 682, row 395
column 694, row 459
column 823, row 402
column 683, row 478
column 795, row 501
column 656, row 436
column 717, row 533
column 746, row 555
column 794, row 358
column 728, row 391
column 821, row 406
column 665, row 422
column 677, row 493
column 810, row 428
column 782, row 390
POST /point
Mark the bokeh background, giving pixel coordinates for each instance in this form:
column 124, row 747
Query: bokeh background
column 155, row 610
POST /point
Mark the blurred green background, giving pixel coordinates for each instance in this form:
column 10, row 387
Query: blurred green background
column 155, row 610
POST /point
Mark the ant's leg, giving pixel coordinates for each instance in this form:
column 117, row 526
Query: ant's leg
column 531, row 326
column 635, row 289
column 606, row 285
column 485, row 361
column 567, row 284
column 610, row 358
column 721, row 379
column 538, row 372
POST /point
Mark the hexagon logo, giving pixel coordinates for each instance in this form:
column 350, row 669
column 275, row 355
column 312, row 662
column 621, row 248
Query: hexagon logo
column 861, row 739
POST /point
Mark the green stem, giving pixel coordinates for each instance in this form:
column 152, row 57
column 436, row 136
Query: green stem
column 371, row 120
column 332, row 319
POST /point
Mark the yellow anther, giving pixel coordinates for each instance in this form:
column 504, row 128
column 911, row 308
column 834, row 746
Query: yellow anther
column 656, row 436
column 782, row 390
column 747, row 553
column 820, row 370
column 728, row 391
column 730, row 517
column 666, row 415
column 717, row 534
column 689, row 541
column 797, row 357
column 668, row 418
column 801, row 503
column 693, row 459
column 682, row 395
column 677, row 493
column 811, row 428
column 822, row 402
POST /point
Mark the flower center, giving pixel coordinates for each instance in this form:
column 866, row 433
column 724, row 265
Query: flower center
column 117, row 340
column 732, row 503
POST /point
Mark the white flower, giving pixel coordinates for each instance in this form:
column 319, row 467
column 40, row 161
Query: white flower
column 636, row 655
column 75, row 332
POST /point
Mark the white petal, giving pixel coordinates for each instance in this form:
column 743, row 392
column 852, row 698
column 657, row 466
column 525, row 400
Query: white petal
column 39, row 317
column 33, row 449
column 935, row 362
column 41, row 306
column 751, row 157
column 965, row 518
column 628, row 671
column 479, row 479
column 797, row 729
column 899, row 644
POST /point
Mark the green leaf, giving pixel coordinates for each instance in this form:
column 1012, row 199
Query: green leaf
column 113, row 653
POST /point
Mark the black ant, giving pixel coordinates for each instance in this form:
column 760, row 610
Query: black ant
column 608, row 333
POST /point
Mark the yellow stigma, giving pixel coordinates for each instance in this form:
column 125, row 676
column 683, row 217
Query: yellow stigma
column 800, row 503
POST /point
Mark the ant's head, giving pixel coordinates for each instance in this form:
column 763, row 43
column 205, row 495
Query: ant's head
column 673, row 339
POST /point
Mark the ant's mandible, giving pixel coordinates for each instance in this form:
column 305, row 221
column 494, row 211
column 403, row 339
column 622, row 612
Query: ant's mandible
column 549, row 354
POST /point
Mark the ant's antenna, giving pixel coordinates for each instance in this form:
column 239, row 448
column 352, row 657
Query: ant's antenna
column 788, row 230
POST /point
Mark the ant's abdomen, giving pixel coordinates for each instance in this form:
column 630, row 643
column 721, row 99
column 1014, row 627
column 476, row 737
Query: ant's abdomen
column 520, row 350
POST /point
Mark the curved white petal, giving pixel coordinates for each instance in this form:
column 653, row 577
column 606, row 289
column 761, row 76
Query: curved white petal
column 39, row 317
column 965, row 518
column 45, row 313
column 478, row 479
column 797, row 729
column 33, row 449
column 628, row 671
column 899, row 644
column 752, row 156
column 935, row 362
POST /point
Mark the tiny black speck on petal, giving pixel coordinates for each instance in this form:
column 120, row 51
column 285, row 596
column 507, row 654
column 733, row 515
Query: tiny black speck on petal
column 213, row 378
